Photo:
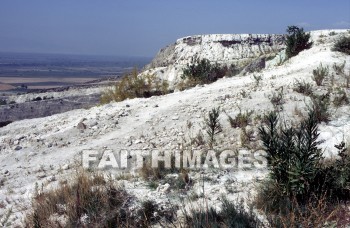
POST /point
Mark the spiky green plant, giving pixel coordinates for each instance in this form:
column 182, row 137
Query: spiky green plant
column 320, row 104
column 213, row 125
column 292, row 154
column 241, row 120
column 319, row 74
column 303, row 87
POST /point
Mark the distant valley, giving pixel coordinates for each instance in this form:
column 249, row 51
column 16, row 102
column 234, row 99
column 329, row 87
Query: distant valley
column 38, row 85
column 37, row 71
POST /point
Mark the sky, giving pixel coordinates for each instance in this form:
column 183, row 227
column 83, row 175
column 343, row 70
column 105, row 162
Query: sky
column 143, row 27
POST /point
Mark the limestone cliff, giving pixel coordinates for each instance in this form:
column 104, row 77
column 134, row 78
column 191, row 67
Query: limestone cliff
column 221, row 48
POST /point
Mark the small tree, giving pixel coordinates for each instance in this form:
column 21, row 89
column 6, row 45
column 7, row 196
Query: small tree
column 213, row 125
column 297, row 40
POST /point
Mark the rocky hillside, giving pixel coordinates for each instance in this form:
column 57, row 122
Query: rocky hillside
column 238, row 49
column 39, row 154
column 45, row 102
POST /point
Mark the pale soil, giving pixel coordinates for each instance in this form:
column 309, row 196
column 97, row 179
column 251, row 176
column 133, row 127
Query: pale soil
column 6, row 87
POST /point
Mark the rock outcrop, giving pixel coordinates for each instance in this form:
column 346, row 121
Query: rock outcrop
column 221, row 48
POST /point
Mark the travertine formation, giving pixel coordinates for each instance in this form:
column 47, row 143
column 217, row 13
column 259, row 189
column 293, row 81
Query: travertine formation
column 221, row 48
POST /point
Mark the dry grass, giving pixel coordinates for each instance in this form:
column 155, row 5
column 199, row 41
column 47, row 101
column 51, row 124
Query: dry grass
column 316, row 213
column 340, row 98
column 89, row 196
column 247, row 136
column 133, row 85
column 198, row 140
column 187, row 84
column 303, row 87
column 342, row 45
column 90, row 200
column 321, row 103
column 242, row 119
column 340, row 70
column 230, row 215
column 319, row 74
column 283, row 211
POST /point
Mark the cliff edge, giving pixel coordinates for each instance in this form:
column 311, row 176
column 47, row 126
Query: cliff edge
column 238, row 49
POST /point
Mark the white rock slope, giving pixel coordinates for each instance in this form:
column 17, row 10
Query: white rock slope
column 221, row 48
column 45, row 150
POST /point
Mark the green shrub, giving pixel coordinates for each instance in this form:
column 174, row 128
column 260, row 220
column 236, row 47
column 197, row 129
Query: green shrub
column 319, row 74
column 320, row 104
column 342, row 166
column 233, row 70
column 340, row 98
column 342, row 45
column 292, row 154
column 202, row 71
column 301, row 190
column 338, row 174
column 303, row 87
column 277, row 99
column 241, row 120
column 294, row 159
column 297, row 40
column 323, row 206
column 271, row 198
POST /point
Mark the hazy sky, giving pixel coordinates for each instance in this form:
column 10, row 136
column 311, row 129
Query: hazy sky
column 142, row 27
